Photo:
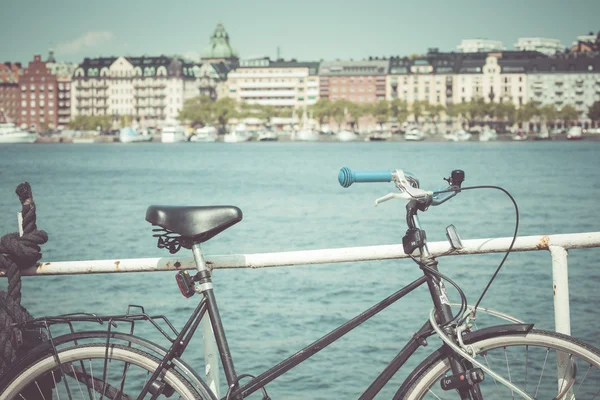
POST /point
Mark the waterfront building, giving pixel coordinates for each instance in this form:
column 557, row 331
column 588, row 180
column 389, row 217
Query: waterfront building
column 63, row 72
column 10, row 93
column 150, row 89
column 479, row 45
column 565, row 81
column 39, row 96
column 283, row 84
column 358, row 81
column 447, row 78
column 543, row 45
column 427, row 78
column 217, row 59
column 494, row 77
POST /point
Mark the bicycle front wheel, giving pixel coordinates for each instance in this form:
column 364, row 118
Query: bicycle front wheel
column 92, row 372
column 545, row 365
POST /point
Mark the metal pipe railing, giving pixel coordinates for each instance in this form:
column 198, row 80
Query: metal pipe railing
column 557, row 245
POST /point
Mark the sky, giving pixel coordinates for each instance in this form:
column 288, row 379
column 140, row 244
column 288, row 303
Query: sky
column 307, row 30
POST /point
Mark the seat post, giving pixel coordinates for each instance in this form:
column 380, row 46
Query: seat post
column 205, row 287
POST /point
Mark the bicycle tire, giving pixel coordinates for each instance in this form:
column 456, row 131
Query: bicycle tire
column 43, row 376
column 425, row 382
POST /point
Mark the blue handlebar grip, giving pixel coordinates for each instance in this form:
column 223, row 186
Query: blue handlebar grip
column 347, row 177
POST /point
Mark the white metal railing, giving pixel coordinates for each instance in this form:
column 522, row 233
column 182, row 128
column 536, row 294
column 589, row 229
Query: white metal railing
column 557, row 245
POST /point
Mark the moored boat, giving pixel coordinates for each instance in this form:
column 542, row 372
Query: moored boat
column 133, row 135
column 173, row 134
column 10, row 133
column 346, row 136
column 206, row 134
column 414, row 135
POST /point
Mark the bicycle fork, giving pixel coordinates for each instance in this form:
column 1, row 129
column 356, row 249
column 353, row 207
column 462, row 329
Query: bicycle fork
column 441, row 303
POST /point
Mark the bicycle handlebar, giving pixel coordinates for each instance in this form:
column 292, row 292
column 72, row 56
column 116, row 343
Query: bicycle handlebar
column 347, row 177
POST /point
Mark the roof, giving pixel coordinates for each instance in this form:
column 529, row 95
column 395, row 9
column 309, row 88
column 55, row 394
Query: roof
column 266, row 62
column 347, row 68
column 9, row 72
column 219, row 46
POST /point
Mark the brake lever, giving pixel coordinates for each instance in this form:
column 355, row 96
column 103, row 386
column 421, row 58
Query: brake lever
column 390, row 196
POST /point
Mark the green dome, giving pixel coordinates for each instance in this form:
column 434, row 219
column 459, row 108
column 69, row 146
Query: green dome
column 219, row 46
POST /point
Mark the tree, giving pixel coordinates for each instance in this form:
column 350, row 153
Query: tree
column 548, row 113
column 399, row 110
column 568, row 113
column 223, row 110
column 594, row 111
column 197, row 111
column 418, row 109
column 506, row 112
column 381, row 111
column 322, row 110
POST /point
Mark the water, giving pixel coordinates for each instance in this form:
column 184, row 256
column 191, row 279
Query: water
column 91, row 199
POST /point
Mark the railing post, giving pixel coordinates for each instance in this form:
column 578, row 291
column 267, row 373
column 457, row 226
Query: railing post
column 560, row 282
column 562, row 312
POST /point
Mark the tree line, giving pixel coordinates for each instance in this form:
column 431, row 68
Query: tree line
column 202, row 111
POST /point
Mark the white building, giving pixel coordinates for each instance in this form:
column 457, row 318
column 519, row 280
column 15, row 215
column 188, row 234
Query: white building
column 479, row 45
column 543, row 45
column 283, row 84
column 149, row 89
column 565, row 81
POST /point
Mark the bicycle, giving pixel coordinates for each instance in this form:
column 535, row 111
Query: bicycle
column 496, row 362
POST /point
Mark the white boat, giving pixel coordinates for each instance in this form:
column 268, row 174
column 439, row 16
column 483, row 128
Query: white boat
column 173, row 134
column 414, row 135
column 458, row 136
column 346, row 136
column 239, row 134
column 488, row 135
column 267, row 136
column 575, row 133
column 206, row 134
column 305, row 135
column 133, row 135
column 10, row 133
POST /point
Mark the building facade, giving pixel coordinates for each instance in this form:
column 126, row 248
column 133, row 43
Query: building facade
column 10, row 93
column 39, row 96
column 357, row 81
column 63, row 72
column 564, row 81
column 543, row 45
column 430, row 78
column 282, row 84
column 151, row 90
column 479, row 45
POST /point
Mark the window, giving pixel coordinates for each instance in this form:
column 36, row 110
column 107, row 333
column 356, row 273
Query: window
column 23, row 88
column 23, row 103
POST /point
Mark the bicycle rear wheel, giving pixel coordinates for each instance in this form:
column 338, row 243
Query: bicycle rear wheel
column 90, row 372
column 546, row 365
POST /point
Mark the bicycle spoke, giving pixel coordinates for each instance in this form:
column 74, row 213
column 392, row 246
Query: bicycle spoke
column 508, row 369
column 436, row 396
column 526, row 365
column 583, row 380
column 93, row 380
column 38, row 386
column 543, row 368
column 485, row 356
column 77, row 379
column 54, row 380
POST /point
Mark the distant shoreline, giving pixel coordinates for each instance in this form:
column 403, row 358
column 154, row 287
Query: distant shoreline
column 328, row 139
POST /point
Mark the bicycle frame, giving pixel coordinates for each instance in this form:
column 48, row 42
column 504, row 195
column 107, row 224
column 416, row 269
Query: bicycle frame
column 438, row 295
column 235, row 391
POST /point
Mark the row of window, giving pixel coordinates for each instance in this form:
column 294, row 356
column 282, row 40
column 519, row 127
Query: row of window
column 41, row 103
column 34, row 112
column 40, row 87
